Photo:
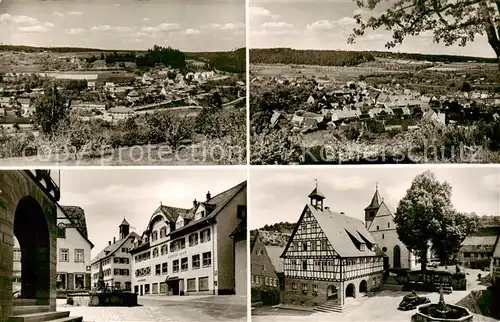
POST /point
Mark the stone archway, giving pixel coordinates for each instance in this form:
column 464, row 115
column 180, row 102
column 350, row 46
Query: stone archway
column 363, row 287
column 397, row 257
column 28, row 213
column 350, row 290
column 31, row 231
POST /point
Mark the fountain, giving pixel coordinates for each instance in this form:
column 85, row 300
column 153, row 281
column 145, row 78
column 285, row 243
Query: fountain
column 102, row 296
column 442, row 312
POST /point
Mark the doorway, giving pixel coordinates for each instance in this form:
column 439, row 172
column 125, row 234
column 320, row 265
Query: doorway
column 350, row 290
column 331, row 293
column 397, row 257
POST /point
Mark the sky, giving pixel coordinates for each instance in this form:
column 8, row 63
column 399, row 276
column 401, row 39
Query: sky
column 280, row 194
column 188, row 25
column 108, row 196
column 326, row 24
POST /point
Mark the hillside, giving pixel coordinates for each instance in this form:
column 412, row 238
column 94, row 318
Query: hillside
column 274, row 235
column 347, row 58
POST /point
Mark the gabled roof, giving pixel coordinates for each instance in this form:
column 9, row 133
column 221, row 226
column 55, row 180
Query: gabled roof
column 124, row 223
column 217, row 202
column 316, row 193
column 76, row 216
column 111, row 249
column 337, row 228
column 274, row 253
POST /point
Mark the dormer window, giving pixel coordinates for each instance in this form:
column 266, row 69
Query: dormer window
column 362, row 247
column 163, row 232
column 154, row 236
column 203, row 214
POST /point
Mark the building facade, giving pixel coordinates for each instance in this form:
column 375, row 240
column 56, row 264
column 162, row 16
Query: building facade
column 73, row 250
column 239, row 236
column 329, row 257
column 379, row 221
column 476, row 251
column 186, row 251
column 495, row 264
column 262, row 272
column 113, row 263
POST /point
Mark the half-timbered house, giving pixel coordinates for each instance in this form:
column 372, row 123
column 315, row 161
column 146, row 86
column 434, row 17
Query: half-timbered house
column 330, row 257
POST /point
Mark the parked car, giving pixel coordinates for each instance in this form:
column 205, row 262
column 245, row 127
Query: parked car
column 411, row 301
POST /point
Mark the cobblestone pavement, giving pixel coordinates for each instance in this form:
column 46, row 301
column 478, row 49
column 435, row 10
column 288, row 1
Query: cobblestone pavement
column 380, row 307
column 206, row 309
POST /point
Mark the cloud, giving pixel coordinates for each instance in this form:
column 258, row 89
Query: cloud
column 259, row 12
column 164, row 27
column 326, row 25
column 76, row 31
column 21, row 20
column 108, row 28
column 40, row 28
column 145, row 19
column 276, row 25
column 58, row 14
column 74, row 13
column 225, row 27
column 191, row 32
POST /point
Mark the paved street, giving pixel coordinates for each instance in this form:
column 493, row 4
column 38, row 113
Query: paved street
column 155, row 308
column 380, row 307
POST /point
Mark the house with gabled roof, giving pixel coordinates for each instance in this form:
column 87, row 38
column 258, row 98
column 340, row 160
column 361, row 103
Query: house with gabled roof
column 188, row 251
column 262, row 272
column 379, row 221
column 112, row 265
column 330, row 257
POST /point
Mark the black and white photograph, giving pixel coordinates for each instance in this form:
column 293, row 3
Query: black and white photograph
column 375, row 244
column 123, row 245
column 129, row 82
column 374, row 82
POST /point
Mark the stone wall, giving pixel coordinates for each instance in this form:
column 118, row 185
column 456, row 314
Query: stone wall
column 19, row 190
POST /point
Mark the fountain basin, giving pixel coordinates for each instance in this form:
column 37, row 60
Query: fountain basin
column 427, row 313
column 102, row 299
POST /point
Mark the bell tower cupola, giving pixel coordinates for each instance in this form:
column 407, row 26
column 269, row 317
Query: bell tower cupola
column 316, row 198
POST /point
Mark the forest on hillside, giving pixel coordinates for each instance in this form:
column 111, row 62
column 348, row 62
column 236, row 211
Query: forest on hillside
column 346, row 58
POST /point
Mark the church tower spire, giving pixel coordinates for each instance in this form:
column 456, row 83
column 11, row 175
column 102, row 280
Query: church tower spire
column 373, row 207
column 316, row 197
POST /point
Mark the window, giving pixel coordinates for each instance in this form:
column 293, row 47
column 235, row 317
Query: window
column 163, row 232
column 388, row 225
column 195, row 261
column 116, row 271
column 184, row 264
column 193, row 239
column 304, row 265
column 163, row 288
column 61, row 232
column 382, row 236
column 315, row 288
column 207, row 259
column 203, row 284
column 378, row 227
column 155, row 252
column 304, row 246
column 294, row 286
column 16, row 255
column 362, row 247
column 118, row 285
column 79, row 255
column 304, row 287
column 175, row 266
column 61, row 281
column 64, row 255
column 154, row 236
column 205, row 235
column 155, row 288
column 128, row 286
column 164, row 268
column 146, row 288
column 79, row 281
column 241, row 211
column 125, row 250
column 191, row 285
column 157, row 269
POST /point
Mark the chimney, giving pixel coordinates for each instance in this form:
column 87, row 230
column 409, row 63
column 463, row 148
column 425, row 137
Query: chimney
column 109, row 242
column 114, row 240
column 195, row 203
column 208, row 196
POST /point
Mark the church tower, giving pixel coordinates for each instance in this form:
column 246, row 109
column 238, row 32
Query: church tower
column 373, row 207
column 316, row 198
column 124, row 229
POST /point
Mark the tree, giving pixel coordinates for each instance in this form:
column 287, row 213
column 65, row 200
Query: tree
column 422, row 212
column 450, row 21
column 51, row 110
column 448, row 238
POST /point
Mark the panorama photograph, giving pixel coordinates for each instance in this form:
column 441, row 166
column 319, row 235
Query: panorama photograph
column 75, row 248
column 372, row 82
column 375, row 244
column 129, row 82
